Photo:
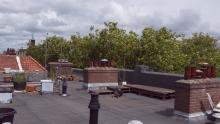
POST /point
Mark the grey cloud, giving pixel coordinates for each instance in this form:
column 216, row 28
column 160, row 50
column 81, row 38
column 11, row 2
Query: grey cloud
column 187, row 21
column 20, row 18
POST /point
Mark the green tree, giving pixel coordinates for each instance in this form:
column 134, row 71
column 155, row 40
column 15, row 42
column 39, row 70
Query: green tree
column 201, row 47
column 161, row 51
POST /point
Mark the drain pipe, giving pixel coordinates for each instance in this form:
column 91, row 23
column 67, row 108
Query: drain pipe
column 19, row 64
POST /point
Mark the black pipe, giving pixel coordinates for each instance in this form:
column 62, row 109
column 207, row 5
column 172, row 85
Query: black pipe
column 94, row 108
column 64, row 87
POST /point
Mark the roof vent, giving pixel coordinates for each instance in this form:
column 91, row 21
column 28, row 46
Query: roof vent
column 63, row 60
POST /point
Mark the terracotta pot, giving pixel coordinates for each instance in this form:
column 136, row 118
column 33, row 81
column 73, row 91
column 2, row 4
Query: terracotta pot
column 193, row 72
column 209, row 72
column 187, row 74
column 213, row 71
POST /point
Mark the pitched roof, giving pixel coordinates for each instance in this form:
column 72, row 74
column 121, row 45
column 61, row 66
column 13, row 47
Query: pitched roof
column 8, row 61
column 28, row 64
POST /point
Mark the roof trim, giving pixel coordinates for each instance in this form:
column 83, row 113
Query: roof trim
column 37, row 63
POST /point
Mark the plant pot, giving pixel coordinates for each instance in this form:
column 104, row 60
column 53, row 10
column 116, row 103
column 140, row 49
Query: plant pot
column 19, row 86
column 19, row 81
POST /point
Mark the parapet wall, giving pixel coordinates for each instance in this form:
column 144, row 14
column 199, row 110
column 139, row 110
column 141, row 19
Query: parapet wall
column 141, row 76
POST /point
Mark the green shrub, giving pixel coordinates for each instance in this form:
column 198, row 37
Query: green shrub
column 19, row 78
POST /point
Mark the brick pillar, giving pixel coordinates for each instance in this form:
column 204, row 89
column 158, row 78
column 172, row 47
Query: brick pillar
column 191, row 99
column 100, row 77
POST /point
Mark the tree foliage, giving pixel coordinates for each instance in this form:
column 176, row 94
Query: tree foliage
column 160, row 49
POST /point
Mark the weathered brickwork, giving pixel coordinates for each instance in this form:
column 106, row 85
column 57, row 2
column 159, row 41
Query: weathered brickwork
column 191, row 94
column 100, row 75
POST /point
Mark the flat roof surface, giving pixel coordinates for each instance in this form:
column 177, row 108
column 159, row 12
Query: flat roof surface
column 73, row 109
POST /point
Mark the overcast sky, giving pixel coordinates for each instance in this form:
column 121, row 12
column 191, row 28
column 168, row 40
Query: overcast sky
column 20, row 18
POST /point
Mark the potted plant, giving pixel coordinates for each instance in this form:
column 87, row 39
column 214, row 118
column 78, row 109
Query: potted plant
column 19, row 81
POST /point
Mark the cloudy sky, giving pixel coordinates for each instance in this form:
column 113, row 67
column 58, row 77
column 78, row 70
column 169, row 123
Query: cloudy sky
column 20, row 18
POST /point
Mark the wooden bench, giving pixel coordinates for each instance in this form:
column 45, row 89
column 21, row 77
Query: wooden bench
column 151, row 91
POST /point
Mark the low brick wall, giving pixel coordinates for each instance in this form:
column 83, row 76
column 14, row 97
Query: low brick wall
column 98, row 77
column 191, row 99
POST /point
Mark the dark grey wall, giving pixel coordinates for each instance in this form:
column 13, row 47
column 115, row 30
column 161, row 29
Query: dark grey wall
column 127, row 75
column 78, row 72
column 141, row 76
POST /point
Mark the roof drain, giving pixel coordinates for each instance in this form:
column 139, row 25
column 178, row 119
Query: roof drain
column 19, row 64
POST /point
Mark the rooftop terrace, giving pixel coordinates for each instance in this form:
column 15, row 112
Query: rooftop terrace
column 73, row 109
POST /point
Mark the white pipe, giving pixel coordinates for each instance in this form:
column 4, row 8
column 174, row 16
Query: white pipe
column 19, row 64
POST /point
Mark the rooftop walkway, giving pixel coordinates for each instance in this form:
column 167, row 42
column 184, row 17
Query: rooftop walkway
column 73, row 109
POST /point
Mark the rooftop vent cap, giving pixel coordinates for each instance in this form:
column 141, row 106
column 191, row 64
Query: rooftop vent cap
column 104, row 60
column 135, row 122
column 62, row 60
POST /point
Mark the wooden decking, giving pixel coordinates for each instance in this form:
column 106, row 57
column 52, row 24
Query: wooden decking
column 151, row 91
